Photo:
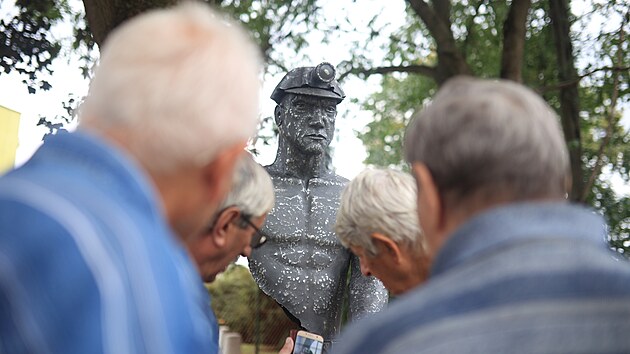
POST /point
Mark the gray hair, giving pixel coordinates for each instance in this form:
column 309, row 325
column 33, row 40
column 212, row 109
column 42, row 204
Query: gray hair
column 180, row 84
column 379, row 201
column 490, row 140
column 252, row 189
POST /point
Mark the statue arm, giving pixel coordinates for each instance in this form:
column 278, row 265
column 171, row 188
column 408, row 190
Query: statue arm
column 366, row 294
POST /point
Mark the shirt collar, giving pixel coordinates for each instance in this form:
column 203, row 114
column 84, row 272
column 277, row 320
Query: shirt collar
column 520, row 221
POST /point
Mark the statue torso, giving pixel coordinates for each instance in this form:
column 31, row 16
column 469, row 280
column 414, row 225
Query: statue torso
column 302, row 265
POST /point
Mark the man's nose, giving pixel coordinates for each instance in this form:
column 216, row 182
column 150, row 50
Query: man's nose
column 317, row 118
column 364, row 269
column 247, row 251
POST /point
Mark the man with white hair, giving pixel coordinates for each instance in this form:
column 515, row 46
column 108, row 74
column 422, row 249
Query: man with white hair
column 377, row 220
column 91, row 259
column 235, row 227
column 514, row 267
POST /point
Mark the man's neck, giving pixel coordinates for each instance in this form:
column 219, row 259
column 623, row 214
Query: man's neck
column 293, row 163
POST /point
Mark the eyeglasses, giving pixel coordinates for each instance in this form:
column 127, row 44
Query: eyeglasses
column 258, row 238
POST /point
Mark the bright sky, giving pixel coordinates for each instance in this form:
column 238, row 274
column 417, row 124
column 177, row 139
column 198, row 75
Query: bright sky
column 66, row 79
column 14, row 95
column 349, row 152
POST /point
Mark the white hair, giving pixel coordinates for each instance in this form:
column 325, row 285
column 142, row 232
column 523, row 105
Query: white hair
column 181, row 84
column 379, row 201
column 252, row 189
column 483, row 140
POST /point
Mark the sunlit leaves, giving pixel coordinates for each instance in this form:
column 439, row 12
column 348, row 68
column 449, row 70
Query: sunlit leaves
column 601, row 48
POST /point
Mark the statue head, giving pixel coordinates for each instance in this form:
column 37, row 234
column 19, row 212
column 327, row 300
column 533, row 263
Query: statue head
column 307, row 99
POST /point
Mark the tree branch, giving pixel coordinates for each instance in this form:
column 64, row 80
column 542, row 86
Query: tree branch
column 569, row 98
column 278, row 64
column 105, row 15
column 411, row 69
column 470, row 26
column 514, row 40
column 544, row 89
column 443, row 10
column 450, row 59
column 609, row 119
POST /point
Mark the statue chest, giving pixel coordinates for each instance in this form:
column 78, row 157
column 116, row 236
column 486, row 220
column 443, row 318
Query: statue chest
column 303, row 265
column 304, row 213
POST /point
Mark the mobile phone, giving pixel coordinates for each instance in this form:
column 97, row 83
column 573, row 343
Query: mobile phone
column 308, row 343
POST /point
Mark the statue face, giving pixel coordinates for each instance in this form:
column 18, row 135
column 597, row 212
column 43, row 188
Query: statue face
column 308, row 122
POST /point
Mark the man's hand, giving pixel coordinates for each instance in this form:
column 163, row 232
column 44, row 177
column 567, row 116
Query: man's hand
column 287, row 347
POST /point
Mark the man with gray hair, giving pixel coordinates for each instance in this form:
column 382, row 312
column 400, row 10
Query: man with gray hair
column 91, row 258
column 235, row 227
column 514, row 267
column 377, row 220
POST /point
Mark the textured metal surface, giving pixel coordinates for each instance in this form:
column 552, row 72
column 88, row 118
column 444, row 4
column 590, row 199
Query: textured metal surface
column 303, row 266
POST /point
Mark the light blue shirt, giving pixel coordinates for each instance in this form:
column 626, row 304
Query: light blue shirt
column 88, row 263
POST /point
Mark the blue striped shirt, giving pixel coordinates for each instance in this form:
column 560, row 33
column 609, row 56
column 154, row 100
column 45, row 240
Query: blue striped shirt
column 88, row 263
column 524, row 278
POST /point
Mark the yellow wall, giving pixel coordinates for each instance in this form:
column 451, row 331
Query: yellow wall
column 9, row 124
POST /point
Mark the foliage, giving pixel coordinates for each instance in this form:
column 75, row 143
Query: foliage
column 393, row 107
column 251, row 349
column 237, row 302
column 29, row 46
column 477, row 28
column 26, row 44
column 59, row 122
column 275, row 22
column 435, row 40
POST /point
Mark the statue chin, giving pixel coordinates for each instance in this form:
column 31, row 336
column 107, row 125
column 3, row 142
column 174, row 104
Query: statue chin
column 313, row 148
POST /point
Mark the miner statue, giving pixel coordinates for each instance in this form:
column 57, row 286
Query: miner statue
column 303, row 266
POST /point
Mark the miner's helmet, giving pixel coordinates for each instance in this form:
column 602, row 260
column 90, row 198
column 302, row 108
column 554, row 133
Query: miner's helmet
column 313, row 81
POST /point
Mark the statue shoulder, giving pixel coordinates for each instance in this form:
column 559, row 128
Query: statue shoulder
column 276, row 171
column 271, row 169
column 340, row 179
column 331, row 180
column 281, row 179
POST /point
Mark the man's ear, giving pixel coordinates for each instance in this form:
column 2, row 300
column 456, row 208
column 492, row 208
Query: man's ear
column 218, row 174
column 387, row 246
column 225, row 220
column 278, row 114
column 431, row 212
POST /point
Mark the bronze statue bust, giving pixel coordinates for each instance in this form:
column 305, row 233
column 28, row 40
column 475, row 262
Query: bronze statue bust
column 302, row 265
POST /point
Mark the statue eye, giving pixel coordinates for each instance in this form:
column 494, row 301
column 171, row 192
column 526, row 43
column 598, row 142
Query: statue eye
column 299, row 105
column 330, row 109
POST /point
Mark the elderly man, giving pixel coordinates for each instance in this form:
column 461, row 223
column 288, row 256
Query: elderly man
column 515, row 268
column 91, row 259
column 378, row 222
column 235, row 228
column 303, row 266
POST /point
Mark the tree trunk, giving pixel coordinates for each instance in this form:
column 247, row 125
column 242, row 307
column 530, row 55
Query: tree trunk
column 105, row 15
column 569, row 100
column 451, row 61
column 514, row 40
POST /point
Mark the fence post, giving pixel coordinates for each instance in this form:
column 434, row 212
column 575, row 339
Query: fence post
column 257, row 323
column 233, row 343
